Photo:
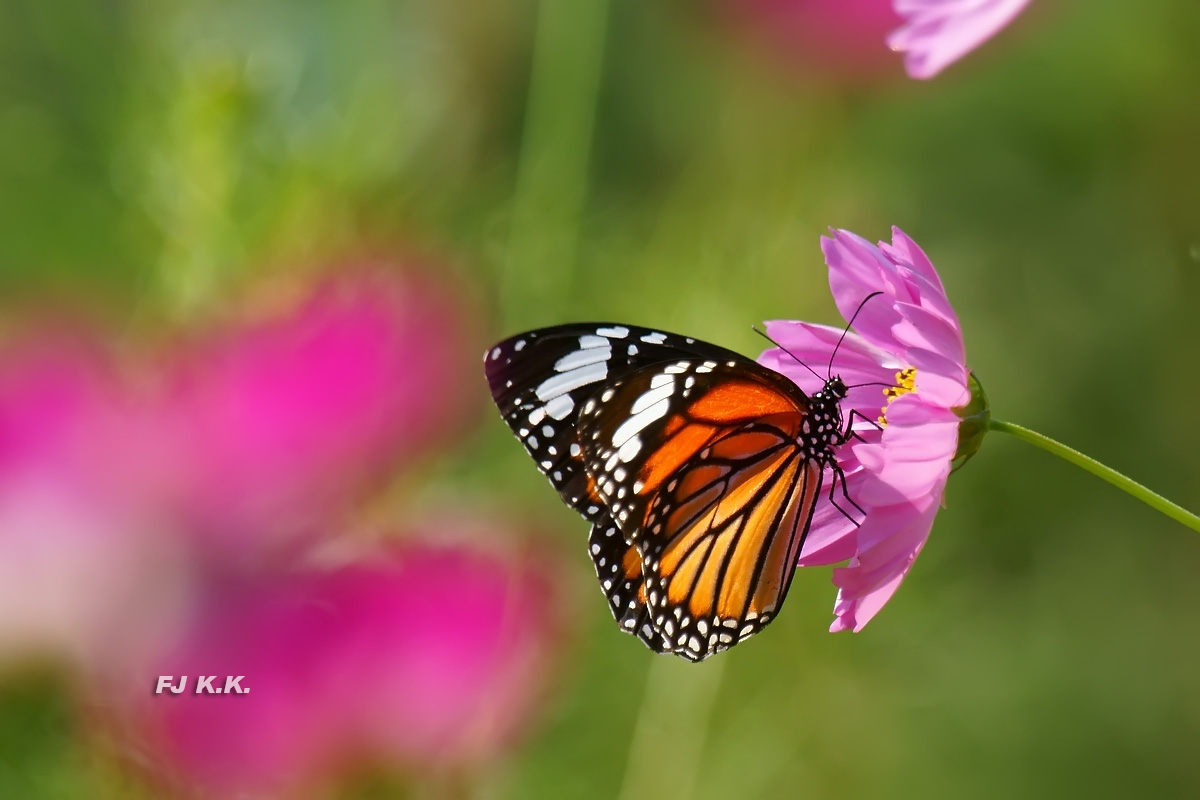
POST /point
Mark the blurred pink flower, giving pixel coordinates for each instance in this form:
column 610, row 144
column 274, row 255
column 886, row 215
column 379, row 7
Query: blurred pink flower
column 910, row 339
column 240, row 447
column 419, row 655
column 937, row 33
column 842, row 37
column 270, row 429
column 72, row 545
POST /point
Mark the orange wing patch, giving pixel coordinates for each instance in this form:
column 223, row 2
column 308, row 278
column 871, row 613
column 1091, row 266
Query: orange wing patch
column 672, row 453
column 737, row 401
column 631, row 563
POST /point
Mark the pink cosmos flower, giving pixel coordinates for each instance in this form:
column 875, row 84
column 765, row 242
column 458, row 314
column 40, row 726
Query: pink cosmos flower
column 418, row 655
column 908, row 339
column 939, row 32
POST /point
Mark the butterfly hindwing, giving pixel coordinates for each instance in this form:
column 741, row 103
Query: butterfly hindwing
column 619, row 570
column 723, row 538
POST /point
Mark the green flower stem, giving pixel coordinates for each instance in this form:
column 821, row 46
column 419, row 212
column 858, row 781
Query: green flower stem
column 666, row 748
column 1152, row 499
column 552, row 171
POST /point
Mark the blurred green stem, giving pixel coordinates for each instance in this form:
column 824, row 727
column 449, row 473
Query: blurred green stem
column 556, row 145
column 667, row 746
column 1152, row 499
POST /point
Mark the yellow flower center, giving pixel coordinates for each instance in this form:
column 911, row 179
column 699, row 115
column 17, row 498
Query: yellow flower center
column 906, row 383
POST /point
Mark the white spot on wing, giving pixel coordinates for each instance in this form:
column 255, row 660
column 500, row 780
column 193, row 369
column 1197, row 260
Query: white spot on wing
column 619, row 332
column 634, row 425
column 581, row 358
column 661, row 391
column 661, row 380
column 654, row 338
column 560, row 407
column 564, row 382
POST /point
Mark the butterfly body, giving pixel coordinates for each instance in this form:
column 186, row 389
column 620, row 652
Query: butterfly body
column 698, row 468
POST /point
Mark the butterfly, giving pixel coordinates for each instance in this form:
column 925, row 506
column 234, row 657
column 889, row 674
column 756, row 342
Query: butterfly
column 698, row 469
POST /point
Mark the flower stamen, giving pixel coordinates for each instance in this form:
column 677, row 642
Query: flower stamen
column 906, row 383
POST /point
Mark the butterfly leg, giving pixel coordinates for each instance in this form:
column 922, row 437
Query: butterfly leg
column 850, row 433
column 839, row 475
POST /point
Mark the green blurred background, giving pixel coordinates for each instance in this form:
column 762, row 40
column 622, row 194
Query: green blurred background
column 638, row 161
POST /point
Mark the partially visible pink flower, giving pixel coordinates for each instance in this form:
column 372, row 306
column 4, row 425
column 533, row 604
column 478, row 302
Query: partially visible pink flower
column 418, row 656
column 75, row 544
column 908, row 339
column 270, row 428
column 838, row 37
column 937, row 33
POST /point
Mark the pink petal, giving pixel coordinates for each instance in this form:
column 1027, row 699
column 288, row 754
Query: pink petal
column 939, row 32
column 895, row 537
column 913, row 458
column 938, row 381
column 928, row 331
column 905, row 251
column 858, row 268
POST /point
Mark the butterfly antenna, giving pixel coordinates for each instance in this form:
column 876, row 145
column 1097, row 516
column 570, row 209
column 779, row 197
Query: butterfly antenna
column 871, row 383
column 849, row 324
column 784, row 349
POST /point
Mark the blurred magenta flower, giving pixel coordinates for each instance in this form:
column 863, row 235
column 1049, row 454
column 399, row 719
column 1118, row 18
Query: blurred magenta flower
column 73, row 543
column 270, row 429
column 422, row 656
column 839, row 37
column 115, row 474
column 909, row 339
column 937, row 33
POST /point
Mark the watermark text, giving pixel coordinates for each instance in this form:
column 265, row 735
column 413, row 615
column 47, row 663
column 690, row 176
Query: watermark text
column 205, row 684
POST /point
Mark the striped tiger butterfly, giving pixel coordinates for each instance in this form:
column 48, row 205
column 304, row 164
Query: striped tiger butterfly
column 698, row 469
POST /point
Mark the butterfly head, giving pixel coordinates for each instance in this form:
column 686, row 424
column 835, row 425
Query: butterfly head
column 835, row 389
column 825, row 425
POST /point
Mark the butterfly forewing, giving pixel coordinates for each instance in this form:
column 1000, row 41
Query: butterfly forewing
column 540, row 379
